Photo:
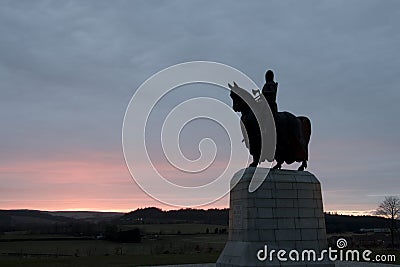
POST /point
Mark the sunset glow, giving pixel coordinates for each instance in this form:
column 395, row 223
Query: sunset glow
column 69, row 70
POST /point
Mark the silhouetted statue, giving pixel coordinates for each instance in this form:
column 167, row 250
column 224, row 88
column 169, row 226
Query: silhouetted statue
column 292, row 133
column 270, row 90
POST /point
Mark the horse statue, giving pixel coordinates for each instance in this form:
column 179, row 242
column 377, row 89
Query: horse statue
column 292, row 133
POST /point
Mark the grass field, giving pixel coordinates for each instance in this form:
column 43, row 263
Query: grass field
column 192, row 245
column 175, row 228
column 109, row 261
column 155, row 249
column 164, row 244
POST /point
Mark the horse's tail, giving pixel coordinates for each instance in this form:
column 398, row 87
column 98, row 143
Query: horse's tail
column 306, row 123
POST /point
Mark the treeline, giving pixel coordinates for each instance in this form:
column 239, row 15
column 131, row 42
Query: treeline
column 347, row 223
column 113, row 233
column 334, row 223
column 41, row 222
column 155, row 215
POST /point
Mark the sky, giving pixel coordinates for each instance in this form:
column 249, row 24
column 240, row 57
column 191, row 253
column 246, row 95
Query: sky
column 68, row 70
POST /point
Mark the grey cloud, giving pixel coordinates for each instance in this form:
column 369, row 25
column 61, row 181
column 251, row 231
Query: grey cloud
column 68, row 69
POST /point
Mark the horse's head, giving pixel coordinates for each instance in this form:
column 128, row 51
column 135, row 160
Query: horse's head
column 238, row 104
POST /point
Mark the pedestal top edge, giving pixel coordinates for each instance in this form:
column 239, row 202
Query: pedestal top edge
column 275, row 175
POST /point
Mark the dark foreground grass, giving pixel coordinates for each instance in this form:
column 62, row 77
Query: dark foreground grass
column 120, row 261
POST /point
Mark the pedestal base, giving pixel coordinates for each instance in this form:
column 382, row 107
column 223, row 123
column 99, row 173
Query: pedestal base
column 285, row 213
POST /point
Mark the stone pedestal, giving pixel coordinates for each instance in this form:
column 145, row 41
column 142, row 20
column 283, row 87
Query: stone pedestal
column 284, row 213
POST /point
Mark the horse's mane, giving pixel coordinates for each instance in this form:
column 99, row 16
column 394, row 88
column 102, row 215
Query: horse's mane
column 243, row 97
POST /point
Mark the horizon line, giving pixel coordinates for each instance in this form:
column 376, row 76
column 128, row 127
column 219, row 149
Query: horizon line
column 338, row 212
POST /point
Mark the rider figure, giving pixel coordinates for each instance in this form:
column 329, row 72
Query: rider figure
column 269, row 91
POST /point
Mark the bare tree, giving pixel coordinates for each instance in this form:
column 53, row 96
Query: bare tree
column 390, row 208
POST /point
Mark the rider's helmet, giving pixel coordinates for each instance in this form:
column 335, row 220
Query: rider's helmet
column 269, row 76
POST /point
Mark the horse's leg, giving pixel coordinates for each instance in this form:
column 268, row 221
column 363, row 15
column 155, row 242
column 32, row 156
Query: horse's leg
column 253, row 164
column 278, row 165
column 256, row 160
column 303, row 166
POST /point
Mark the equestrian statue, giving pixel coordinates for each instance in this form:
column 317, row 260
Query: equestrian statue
column 292, row 132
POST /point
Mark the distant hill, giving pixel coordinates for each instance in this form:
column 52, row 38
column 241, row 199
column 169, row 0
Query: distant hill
column 35, row 215
column 26, row 219
column 10, row 219
column 93, row 216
